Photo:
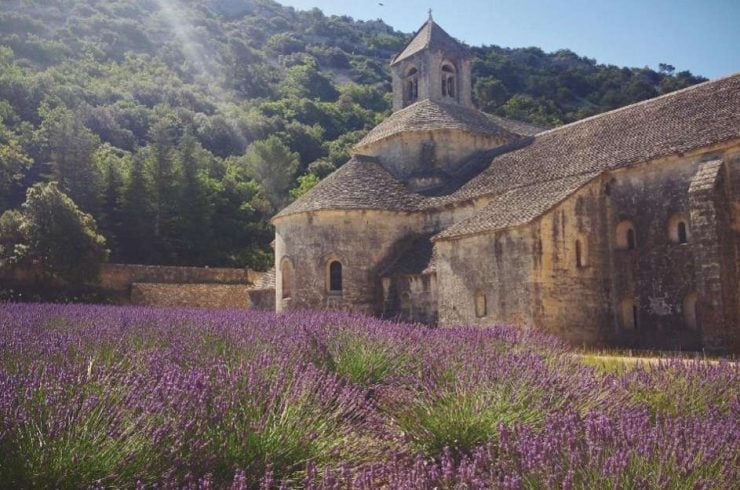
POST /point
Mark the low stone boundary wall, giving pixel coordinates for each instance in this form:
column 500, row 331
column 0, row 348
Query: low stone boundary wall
column 118, row 277
column 155, row 285
column 191, row 295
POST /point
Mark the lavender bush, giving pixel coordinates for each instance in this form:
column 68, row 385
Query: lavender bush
column 138, row 397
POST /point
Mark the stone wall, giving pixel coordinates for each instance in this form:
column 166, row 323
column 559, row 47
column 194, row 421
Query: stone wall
column 429, row 69
column 118, row 277
column 426, row 151
column 527, row 276
column 411, row 298
column 364, row 242
column 191, row 295
column 660, row 273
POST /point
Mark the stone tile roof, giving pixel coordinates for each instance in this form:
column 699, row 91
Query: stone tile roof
column 430, row 36
column 361, row 183
column 520, row 128
column 554, row 164
column 675, row 123
column 517, row 206
column 429, row 115
column 550, row 165
column 416, row 258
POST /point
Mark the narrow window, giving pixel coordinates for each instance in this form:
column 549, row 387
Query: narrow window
column 579, row 259
column 634, row 317
column 286, row 271
column 448, row 81
column 678, row 229
column 682, row 232
column 630, row 239
column 480, row 304
column 335, row 277
column 286, row 283
column 412, row 85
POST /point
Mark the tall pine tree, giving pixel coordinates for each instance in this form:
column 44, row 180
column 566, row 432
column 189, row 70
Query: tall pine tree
column 167, row 188
column 137, row 212
column 68, row 146
column 196, row 207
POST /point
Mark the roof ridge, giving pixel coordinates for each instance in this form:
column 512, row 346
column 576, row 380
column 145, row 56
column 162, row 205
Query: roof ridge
column 642, row 102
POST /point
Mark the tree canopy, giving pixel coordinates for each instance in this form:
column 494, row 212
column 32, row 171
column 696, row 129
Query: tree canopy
column 52, row 232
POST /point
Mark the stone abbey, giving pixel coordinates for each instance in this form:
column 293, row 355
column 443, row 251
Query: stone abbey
column 619, row 229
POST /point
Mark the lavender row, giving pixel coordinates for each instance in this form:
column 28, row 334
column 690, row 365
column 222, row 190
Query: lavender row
column 118, row 397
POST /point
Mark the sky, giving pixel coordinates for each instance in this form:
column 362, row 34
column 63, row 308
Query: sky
column 702, row 36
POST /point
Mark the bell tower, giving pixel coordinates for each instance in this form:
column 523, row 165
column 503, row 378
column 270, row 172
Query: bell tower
column 433, row 65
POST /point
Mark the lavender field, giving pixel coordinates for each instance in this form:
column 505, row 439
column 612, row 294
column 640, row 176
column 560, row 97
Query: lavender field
column 135, row 397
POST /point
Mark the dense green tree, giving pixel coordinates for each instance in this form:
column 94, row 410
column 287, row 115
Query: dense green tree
column 69, row 146
column 321, row 168
column 113, row 164
column 490, row 93
column 271, row 163
column 305, row 183
column 14, row 163
column 61, row 238
column 196, row 208
column 306, row 80
column 166, row 178
column 13, row 241
column 137, row 211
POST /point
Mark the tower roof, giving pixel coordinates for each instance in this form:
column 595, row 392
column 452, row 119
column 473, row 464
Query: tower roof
column 432, row 37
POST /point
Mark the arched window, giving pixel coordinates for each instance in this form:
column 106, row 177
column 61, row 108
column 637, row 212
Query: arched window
column 412, row 84
column 625, row 236
column 689, row 310
column 481, row 308
column 448, row 80
column 678, row 229
column 335, row 276
column 628, row 314
column 286, row 273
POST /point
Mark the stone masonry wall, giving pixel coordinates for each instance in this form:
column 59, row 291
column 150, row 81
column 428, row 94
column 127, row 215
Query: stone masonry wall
column 404, row 154
column 118, row 277
column 362, row 241
column 660, row 273
column 528, row 274
column 191, row 295
column 429, row 66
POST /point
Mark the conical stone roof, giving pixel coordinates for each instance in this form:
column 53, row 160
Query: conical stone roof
column 432, row 37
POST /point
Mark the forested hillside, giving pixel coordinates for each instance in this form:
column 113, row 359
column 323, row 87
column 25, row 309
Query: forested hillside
column 182, row 126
